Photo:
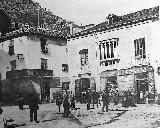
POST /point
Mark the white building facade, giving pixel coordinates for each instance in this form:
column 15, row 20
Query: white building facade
column 33, row 59
column 122, row 51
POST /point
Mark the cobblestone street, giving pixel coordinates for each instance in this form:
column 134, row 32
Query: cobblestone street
column 143, row 116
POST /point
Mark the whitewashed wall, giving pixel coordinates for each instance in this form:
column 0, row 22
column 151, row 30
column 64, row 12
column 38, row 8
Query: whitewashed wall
column 56, row 56
column 31, row 49
column 150, row 31
column 20, row 47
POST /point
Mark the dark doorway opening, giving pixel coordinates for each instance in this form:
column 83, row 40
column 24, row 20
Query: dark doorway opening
column 141, row 85
column 45, row 91
column 81, row 86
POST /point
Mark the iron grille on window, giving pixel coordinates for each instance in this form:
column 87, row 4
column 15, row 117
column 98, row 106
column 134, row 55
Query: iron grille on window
column 140, row 52
column 84, row 57
column 44, row 48
column 109, row 52
column 44, row 64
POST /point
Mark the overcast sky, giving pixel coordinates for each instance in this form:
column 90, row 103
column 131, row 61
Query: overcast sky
column 94, row 11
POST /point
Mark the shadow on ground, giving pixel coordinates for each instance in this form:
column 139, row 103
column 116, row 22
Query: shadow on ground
column 112, row 120
column 15, row 125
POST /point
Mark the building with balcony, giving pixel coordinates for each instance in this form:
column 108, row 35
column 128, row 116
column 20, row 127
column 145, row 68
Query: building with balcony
column 33, row 60
column 122, row 52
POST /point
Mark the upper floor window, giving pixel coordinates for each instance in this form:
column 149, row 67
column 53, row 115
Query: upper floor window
column 44, row 48
column 109, row 52
column 65, row 67
column 11, row 47
column 44, row 64
column 140, row 51
column 13, row 65
column 84, row 57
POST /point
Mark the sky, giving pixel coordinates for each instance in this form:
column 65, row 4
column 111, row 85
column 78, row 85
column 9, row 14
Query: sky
column 94, row 11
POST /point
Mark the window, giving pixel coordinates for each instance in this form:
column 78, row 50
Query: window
column 20, row 57
column 140, row 52
column 44, row 64
column 13, row 65
column 109, row 52
column 84, row 57
column 11, row 47
column 44, row 48
column 65, row 67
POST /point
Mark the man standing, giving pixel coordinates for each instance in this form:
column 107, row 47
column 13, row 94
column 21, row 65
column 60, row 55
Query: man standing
column 105, row 100
column 73, row 102
column 33, row 105
column 20, row 102
column 94, row 98
column 116, row 97
column 88, row 99
column 66, row 106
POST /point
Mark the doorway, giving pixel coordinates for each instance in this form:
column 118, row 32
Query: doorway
column 141, row 85
column 45, row 96
column 81, row 86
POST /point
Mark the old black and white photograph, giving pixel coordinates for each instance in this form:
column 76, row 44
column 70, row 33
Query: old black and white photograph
column 79, row 64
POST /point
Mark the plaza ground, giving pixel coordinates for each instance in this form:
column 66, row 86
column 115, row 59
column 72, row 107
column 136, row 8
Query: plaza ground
column 142, row 116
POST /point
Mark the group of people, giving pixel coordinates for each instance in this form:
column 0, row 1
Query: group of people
column 97, row 98
column 94, row 98
column 128, row 100
column 109, row 95
column 143, row 97
column 68, row 102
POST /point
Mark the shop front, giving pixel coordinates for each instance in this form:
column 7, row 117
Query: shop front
column 109, row 82
column 134, row 80
column 108, row 79
column 145, row 83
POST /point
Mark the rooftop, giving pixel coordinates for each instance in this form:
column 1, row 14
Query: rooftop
column 120, row 21
column 31, row 31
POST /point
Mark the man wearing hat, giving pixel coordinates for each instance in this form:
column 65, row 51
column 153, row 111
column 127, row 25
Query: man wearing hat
column 105, row 100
